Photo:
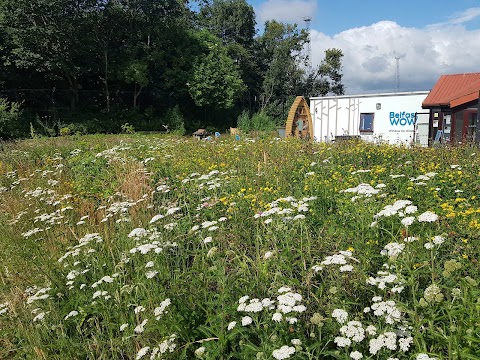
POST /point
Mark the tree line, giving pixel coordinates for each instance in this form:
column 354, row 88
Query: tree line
column 95, row 65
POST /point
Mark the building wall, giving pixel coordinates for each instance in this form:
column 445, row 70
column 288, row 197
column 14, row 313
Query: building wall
column 394, row 116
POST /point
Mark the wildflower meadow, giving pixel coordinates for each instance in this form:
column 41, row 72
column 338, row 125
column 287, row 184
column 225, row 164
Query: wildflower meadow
column 162, row 247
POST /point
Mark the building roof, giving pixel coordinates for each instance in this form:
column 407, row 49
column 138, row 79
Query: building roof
column 454, row 90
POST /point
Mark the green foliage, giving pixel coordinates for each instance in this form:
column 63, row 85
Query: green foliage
column 175, row 121
column 257, row 122
column 136, row 73
column 128, row 128
column 95, row 63
column 9, row 119
column 280, row 58
column 215, row 79
column 244, row 121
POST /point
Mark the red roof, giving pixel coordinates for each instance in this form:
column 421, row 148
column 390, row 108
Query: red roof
column 454, row 90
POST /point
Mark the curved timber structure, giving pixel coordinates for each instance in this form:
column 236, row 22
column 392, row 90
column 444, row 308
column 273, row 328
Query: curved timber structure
column 299, row 122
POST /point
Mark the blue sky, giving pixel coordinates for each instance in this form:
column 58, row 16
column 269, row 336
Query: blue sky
column 431, row 37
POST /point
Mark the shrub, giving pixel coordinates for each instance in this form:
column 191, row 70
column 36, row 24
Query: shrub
column 175, row 121
column 258, row 122
column 9, row 116
column 244, row 122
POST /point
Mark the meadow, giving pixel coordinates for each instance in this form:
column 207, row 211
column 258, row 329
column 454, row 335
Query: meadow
column 163, row 247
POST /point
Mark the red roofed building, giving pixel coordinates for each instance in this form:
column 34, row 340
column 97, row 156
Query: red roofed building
column 454, row 108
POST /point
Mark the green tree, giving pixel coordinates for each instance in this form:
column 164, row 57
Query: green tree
column 233, row 21
column 327, row 77
column 215, row 80
column 136, row 73
column 9, row 116
column 45, row 37
column 279, row 53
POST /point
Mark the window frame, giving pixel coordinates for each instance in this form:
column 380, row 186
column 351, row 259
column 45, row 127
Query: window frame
column 361, row 128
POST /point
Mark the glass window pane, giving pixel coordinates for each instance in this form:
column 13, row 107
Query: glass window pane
column 366, row 122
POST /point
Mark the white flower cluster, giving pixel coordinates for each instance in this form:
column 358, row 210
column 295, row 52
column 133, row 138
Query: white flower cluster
column 151, row 244
column 71, row 314
column 294, row 210
column 386, row 340
column 383, row 278
column 160, row 310
column 40, row 294
column 119, row 208
column 209, row 225
column 420, row 178
column 113, row 153
column 170, row 211
column 209, row 181
column 423, row 356
column 4, row 308
column 340, row 315
column 31, row 232
column 39, row 315
column 54, row 218
column 399, row 207
column 362, row 190
column 166, row 346
column 341, row 260
column 427, row 216
column 284, row 352
column 392, row 250
column 361, row 171
column 354, row 331
column 437, row 240
column 287, row 304
column 386, row 309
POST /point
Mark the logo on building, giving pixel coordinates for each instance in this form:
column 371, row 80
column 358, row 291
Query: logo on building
column 402, row 118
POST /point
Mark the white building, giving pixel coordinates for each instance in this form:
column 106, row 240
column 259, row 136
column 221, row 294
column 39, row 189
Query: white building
column 396, row 118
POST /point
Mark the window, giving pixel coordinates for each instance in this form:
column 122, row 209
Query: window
column 366, row 122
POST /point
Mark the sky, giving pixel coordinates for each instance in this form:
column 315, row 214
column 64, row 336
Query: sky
column 430, row 38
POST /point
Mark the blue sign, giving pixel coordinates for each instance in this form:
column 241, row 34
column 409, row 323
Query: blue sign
column 402, row 118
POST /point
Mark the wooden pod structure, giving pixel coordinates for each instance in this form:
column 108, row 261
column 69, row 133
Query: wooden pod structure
column 299, row 122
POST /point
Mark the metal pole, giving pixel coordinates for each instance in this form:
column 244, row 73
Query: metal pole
column 477, row 129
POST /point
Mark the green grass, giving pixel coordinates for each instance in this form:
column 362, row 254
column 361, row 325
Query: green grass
column 134, row 246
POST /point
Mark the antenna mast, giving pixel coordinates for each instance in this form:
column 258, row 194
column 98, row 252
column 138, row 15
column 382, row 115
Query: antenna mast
column 397, row 73
column 308, row 63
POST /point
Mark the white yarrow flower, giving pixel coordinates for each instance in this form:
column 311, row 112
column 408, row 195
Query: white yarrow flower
column 428, row 216
column 268, row 255
column 284, row 352
column 246, row 320
column 340, row 315
column 200, row 351
column 71, row 314
column 356, row 355
column 277, row 317
column 142, row 352
column 151, row 274
column 141, row 327
column 407, row 221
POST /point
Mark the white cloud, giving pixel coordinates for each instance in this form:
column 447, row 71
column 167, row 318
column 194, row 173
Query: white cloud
column 461, row 17
column 285, row 11
column 369, row 55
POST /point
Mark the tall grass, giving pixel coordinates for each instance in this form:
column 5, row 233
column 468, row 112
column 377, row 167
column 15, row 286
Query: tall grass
column 130, row 247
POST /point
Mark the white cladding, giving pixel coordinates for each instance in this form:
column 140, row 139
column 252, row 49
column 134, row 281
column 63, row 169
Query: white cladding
column 393, row 116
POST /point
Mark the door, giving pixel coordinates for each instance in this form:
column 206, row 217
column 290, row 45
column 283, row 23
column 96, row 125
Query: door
column 458, row 128
column 472, row 126
column 422, row 126
column 465, row 126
